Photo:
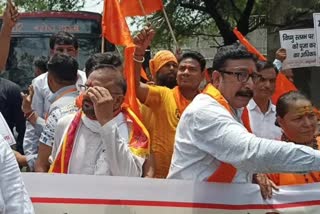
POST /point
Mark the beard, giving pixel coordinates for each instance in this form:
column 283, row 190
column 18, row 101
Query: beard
column 167, row 80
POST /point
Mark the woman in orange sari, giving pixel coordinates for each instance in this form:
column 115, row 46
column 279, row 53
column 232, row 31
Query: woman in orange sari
column 296, row 117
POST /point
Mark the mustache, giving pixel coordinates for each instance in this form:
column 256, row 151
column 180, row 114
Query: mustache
column 245, row 93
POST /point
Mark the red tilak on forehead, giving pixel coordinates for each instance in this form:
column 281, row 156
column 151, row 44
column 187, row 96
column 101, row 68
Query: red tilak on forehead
column 304, row 110
column 250, row 70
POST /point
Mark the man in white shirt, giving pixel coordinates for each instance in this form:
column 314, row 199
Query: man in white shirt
column 212, row 144
column 96, row 140
column 262, row 113
column 13, row 195
column 61, row 42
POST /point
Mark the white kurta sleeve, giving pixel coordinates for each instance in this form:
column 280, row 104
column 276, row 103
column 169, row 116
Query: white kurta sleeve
column 120, row 160
column 12, row 188
column 213, row 130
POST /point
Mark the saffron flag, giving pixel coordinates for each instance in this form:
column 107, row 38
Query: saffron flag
column 283, row 85
column 131, row 97
column 248, row 45
column 114, row 25
column 115, row 29
column 134, row 7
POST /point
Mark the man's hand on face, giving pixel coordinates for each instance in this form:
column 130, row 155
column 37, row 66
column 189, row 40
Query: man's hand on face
column 102, row 103
column 143, row 40
column 27, row 100
column 281, row 54
column 10, row 15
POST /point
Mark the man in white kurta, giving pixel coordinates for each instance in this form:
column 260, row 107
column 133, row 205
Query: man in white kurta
column 102, row 138
column 208, row 134
column 13, row 195
column 100, row 150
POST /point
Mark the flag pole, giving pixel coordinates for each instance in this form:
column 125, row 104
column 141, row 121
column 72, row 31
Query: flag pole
column 170, row 28
column 103, row 40
column 143, row 11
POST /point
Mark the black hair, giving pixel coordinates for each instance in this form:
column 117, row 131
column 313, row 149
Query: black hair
column 196, row 56
column 63, row 38
column 266, row 65
column 121, row 82
column 234, row 51
column 41, row 63
column 102, row 58
column 286, row 99
column 64, row 68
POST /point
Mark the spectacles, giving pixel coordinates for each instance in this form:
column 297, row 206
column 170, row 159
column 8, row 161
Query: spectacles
column 242, row 76
column 83, row 88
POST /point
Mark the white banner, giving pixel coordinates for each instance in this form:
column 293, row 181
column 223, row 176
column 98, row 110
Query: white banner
column 316, row 22
column 5, row 131
column 83, row 194
column 301, row 47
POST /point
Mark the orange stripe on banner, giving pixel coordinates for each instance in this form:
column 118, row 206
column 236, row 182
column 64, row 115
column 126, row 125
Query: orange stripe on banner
column 40, row 200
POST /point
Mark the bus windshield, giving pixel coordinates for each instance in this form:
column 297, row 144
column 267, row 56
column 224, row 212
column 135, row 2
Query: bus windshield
column 30, row 38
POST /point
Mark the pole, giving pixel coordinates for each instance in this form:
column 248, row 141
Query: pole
column 170, row 28
column 102, row 44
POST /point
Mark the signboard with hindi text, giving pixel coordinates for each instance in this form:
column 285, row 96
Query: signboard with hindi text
column 316, row 21
column 83, row 194
column 301, row 47
column 5, row 131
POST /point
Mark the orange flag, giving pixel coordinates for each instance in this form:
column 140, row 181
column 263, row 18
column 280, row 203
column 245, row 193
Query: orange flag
column 131, row 97
column 115, row 29
column 133, row 7
column 114, row 25
column 248, row 45
column 283, row 85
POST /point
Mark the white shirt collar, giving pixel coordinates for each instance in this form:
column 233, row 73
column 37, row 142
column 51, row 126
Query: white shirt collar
column 253, row 105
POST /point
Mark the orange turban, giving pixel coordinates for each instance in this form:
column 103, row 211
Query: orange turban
column 161, row 58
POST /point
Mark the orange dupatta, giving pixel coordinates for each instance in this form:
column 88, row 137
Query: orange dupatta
column 225, row 172
column 139, row 140
column 181, row 102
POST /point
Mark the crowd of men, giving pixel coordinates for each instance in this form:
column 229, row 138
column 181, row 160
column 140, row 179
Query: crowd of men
column 77, row 122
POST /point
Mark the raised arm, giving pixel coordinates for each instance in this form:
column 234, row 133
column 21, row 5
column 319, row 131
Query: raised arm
column 9, row 20
column 142, row 41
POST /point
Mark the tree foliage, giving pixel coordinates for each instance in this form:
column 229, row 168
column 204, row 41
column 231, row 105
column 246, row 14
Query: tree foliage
column 208, row 18
column 46, row 5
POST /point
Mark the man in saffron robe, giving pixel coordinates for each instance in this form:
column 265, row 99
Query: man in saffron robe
column 102, row 138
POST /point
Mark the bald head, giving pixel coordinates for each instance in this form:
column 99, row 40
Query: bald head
column 109, row 77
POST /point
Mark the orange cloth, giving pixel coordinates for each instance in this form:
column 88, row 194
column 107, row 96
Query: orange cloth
column 131, row 97
column 248, row 45
column 181, row 102
column 115, row 29
column 114, row 25
column 283, row 85
column 133, row 7
column 294, row 179
column 225, row 172
column 165, row 116
column 160, row 59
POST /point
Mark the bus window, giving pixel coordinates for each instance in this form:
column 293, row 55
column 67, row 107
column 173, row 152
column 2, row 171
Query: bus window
column 30, row 38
